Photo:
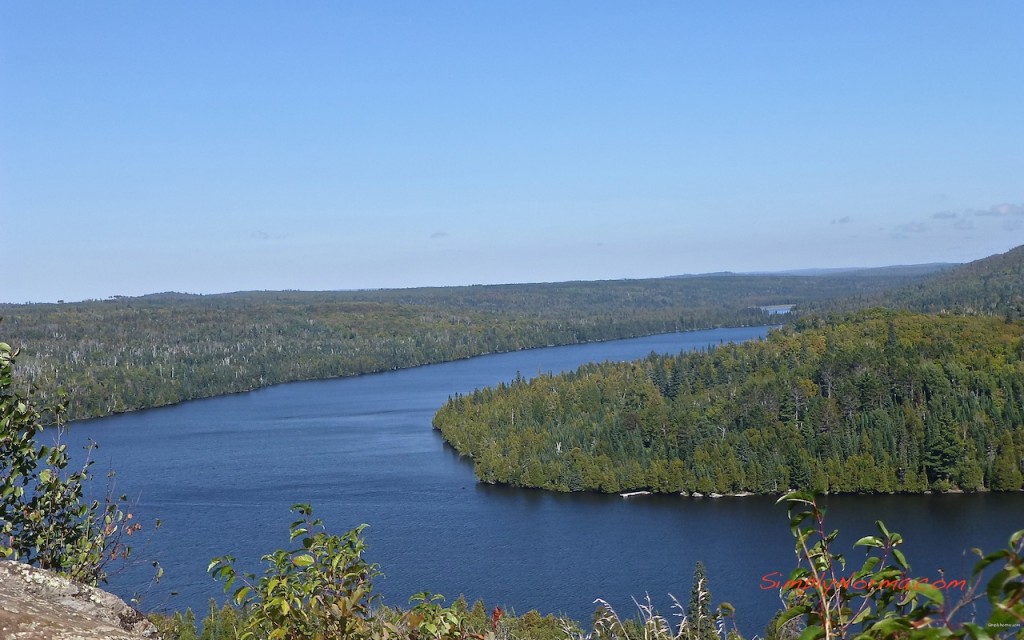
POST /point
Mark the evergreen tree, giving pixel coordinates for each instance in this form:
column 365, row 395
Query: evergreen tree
column 943, row 451
column 1006, row 475
column 700, row 623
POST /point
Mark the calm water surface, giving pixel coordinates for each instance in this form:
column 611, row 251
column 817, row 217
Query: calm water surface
column 222, row 473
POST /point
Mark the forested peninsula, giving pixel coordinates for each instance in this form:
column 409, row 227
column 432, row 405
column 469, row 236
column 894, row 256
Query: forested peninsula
column 127, row 353
column 875, row 401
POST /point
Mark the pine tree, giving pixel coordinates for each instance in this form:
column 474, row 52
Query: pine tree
column 700, row 623
column 1006, row 475
column 943, row 451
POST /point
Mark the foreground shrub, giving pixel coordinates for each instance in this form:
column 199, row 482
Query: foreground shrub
column 45, row 518
column 321, row 589
column 882, row 599
column 224, row 623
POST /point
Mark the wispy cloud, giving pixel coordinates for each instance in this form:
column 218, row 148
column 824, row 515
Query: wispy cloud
column 912, row 227
column 1001, row 210
column 968, row 219
column 263, row 236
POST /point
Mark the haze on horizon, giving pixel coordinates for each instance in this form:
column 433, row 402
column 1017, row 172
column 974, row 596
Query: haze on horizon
column 341, row 145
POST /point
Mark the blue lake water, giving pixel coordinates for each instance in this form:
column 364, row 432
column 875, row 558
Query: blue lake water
column 222, row 473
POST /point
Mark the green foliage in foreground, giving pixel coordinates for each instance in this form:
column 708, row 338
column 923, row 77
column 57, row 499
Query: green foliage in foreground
column 323, row 589
column 474, row 622
column 877, row 401
column 45, row 518
column 882, row 598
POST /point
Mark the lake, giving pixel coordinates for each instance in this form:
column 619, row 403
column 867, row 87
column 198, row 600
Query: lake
column 221, row 474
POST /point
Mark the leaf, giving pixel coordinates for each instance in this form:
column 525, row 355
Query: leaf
column 901, row 559
column 881, row 527
column 869, row 541
column 976, row 632
column 929, row 592
column 861, row 616
column 888, row 628
column 812, row 632
column 799, row 497
column 790, row 613
column 305, row 560
column 989, row 559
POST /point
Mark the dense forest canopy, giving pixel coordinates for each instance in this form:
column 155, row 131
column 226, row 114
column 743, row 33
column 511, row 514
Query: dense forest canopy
column 876, row 401
column 130, row 353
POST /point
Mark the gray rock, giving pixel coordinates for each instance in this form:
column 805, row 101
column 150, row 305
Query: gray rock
column 40, row 605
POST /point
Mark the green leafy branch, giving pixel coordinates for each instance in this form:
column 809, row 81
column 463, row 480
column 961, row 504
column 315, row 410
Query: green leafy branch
column 45, row 518
column 320, row 589
column 881, row 599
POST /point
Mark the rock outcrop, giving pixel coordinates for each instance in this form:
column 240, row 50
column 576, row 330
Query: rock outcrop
column 40, row 605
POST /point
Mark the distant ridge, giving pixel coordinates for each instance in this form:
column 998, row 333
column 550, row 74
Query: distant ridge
column 893, row 270
column 900, row 269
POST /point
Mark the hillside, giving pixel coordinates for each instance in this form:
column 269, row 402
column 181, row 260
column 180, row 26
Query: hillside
column 992, row 285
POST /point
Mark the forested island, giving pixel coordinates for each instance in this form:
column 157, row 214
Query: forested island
column 874, row 401
column 126, row 353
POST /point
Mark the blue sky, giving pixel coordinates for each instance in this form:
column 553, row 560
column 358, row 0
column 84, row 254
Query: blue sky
column 210, row 147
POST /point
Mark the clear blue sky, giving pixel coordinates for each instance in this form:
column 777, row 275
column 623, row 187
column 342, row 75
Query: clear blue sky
column 210, row 147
